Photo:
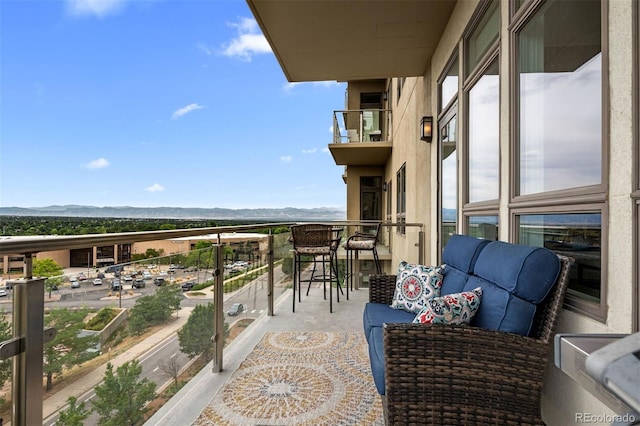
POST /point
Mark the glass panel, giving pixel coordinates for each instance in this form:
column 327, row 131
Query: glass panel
column 484, row 130
column 449, row 181
column 483, row 36
column 484, row 227
column 449, row 86
column 560, row 77
column 577, row 235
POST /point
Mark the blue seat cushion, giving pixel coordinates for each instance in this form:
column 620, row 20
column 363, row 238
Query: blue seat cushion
column 524, row 271
column 460, row 256
column 376, row 314
column 514, row 280
column 376, row 358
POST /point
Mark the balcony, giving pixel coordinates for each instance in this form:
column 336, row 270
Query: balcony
column 361, row 137
column 194, row 401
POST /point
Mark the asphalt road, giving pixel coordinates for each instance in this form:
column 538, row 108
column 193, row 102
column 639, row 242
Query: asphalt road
column 253, row 296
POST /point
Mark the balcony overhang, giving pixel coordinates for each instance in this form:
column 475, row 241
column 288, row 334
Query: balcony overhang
column 361, row 154
column 343, row 40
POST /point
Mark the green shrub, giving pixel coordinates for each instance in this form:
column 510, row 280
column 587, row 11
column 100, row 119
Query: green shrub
column 101, row 319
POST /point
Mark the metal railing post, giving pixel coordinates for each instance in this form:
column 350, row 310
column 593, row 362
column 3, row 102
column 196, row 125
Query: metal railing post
column 218, row 310
column 270, row 276
column 421, row 247
column 28, row 323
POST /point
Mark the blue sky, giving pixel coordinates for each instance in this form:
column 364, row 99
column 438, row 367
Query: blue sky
column 153, row 103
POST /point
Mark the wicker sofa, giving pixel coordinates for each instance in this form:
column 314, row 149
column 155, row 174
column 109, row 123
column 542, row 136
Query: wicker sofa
column 487, row 372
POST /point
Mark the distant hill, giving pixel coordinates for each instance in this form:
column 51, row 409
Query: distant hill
column 283, row 214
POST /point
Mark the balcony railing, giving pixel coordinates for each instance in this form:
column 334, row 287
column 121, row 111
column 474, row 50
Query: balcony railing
column 361, row 125
column 26, row 347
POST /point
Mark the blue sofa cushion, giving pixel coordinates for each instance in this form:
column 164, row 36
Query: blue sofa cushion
column 501, row 310
column 460, row 255
column 376, row 314
column 526, row 272
column 376, row 358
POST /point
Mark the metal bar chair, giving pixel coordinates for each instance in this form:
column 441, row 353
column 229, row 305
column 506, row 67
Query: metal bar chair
column 361, row 241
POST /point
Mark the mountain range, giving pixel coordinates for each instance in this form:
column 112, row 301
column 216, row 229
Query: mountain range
column 281, row 214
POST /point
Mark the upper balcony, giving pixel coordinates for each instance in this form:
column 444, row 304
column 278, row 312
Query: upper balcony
column 361, row 137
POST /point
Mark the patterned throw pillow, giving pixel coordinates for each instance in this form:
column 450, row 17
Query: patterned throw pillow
column 415, row 284
column 457, row 308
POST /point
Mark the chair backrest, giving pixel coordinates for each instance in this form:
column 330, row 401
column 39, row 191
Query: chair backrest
column 311, row 235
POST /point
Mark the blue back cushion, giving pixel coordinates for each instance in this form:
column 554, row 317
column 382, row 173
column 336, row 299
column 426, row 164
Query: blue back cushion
column 514, row 279
column 460, row 256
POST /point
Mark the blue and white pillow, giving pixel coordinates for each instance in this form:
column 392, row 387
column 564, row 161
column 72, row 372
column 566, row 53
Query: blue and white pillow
column 415, row 284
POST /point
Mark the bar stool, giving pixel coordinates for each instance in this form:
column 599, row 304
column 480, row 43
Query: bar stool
column 361, row 241
column 313, row 243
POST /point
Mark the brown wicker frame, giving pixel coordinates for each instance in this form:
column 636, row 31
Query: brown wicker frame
column 446, row 375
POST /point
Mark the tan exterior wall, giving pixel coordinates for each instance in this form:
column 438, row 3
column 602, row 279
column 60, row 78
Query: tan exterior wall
column 562, row 397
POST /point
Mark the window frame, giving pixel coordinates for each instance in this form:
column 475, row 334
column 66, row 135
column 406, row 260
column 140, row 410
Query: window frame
column 485, row 207
column 635, row 195
column 401, row 199
column 586, row 199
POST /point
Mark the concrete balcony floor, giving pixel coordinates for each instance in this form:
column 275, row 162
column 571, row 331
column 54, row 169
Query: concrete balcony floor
column 312, row 314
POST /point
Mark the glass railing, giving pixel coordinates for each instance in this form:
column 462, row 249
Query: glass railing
column 363, row 125
column 241, row 286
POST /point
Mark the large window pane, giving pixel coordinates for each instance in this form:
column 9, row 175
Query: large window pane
column 484, row 130
column 449, row 181
column 449, row 86
column 483, row 36
column 575, row 235
column 560, row 78
column 484, row 227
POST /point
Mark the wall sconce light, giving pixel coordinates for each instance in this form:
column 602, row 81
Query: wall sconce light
column 384, row 186
column 426, row 128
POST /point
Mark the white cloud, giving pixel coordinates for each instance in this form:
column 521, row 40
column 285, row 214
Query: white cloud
column 185, row 110
column 203, row 48
column 250, row 41
column 286, row 158
column 99, row 8
column 100, row 163
column 310, row 151
column 325, row 149
column 156, row 187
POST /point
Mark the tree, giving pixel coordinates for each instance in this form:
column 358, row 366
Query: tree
column 171, row 368
column 5, row 334
column 122, row 397
column 74, row 415
column 170, row 296
column 69, row 347
column 195, row 336
column 46, row 268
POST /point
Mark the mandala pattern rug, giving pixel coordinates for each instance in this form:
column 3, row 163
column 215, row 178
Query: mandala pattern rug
column 291, row 378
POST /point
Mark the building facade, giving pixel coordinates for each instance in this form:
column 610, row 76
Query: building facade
column 515, row 120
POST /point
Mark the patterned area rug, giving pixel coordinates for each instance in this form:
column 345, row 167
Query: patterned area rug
column 289, row 378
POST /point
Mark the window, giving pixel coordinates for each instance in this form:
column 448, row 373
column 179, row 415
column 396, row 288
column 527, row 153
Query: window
column 483, row 136
column 448, row 179
column 559, row 188
column 483, row 227
column 559, row 73
column 388, row 188
column 448, row 86
column 400, row 84
column 577, row 235
column 401, row 198
column 485, row 33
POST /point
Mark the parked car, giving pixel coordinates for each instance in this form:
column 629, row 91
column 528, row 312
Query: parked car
column 138, row 283
column 191, row 269
column 146, row 275
column 3, row 291
column 127, row 278
column 236, row 308
column 114, row 268
column 158, row 281
column 116, row 285
column 188, row 285
column 97, row 281
column 82, row 277
column 75, row 284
